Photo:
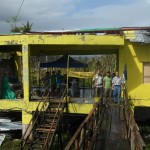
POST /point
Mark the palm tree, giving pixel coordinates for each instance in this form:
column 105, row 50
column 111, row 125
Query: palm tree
column 17, row 29
column 27, row 27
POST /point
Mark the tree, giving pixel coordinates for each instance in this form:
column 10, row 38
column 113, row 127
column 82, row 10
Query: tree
column 16, row 29
column 104, row 63
column 12, row 22
column 27, row 27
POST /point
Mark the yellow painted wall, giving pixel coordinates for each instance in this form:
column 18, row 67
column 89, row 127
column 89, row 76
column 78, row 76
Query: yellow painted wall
column 134, row 54
column 62, row 39
column 25, row 40
column 80, row 108
column 131, row 54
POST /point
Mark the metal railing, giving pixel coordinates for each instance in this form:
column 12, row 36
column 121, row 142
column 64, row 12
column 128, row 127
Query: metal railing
column 48, row 141
column 136, row 141
column 33, row 121
column 85, row 136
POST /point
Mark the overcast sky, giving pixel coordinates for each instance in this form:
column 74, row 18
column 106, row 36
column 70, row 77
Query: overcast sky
column 47, row 15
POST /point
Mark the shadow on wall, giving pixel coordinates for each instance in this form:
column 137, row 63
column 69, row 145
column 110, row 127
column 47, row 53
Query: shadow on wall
column 142, row 114
column 134, row 67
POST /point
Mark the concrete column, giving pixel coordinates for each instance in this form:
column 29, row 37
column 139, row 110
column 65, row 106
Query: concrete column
column 26, row 117
column 26, row 71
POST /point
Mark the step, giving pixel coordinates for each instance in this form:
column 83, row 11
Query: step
column 51, row 117
column 48, row 125
column 48, row 115
column 57, row 101
column 45, row 130
column 42, row 135
column 35, row 142
column 51, row 120
column 53, row 110
column 38, row 142
column 55, row 106
column 37, row 147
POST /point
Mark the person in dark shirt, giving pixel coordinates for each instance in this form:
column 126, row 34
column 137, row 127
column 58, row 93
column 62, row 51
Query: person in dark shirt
column 46, row 84
column 53, row 83
column 58, row 82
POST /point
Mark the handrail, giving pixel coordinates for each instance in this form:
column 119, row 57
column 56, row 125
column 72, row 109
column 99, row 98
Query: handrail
column 82, row 136
column 26, row 137
column 92, row 142
column 136, row 141
column 47, row 139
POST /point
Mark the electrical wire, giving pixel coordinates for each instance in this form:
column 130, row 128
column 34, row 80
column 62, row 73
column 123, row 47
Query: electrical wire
column 19, row 10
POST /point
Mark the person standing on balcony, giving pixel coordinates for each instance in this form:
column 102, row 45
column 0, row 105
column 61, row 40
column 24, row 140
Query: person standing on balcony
column 53, row 84
column 47, row 84
column 98, row 84
column 117, row 83
column 58, row 83
column 107, row 84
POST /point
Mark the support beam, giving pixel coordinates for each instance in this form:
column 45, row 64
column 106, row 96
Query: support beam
column 26, row 117
column 26, row 71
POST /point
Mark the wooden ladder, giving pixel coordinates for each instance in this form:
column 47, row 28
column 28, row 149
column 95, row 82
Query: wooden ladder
column 44, row 128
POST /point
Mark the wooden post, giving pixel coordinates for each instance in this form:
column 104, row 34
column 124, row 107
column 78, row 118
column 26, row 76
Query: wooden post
column 77, row 144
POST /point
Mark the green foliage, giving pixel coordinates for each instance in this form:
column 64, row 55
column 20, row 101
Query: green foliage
column 27, row 27
column 15, row 29
column 85, row 83
column 9, row 144
column 34, row 70
column 145, row 133
column 13, row 22
column 147, row 147
column 104, row 63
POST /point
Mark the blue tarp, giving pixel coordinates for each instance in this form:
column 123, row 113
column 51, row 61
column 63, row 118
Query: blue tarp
column 62, row 63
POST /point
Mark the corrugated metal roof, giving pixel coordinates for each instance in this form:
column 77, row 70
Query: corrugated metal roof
column 134, row 34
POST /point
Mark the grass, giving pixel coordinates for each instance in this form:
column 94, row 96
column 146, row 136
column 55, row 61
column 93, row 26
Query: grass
column 10, row 144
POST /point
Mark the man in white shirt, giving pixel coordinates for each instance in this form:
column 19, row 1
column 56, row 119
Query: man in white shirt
column 98, row 84
column 117, row 83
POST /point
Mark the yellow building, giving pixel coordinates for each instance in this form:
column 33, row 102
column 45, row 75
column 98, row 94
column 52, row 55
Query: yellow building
column 131, row 45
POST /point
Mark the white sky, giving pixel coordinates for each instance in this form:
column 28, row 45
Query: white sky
column 47, row 15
